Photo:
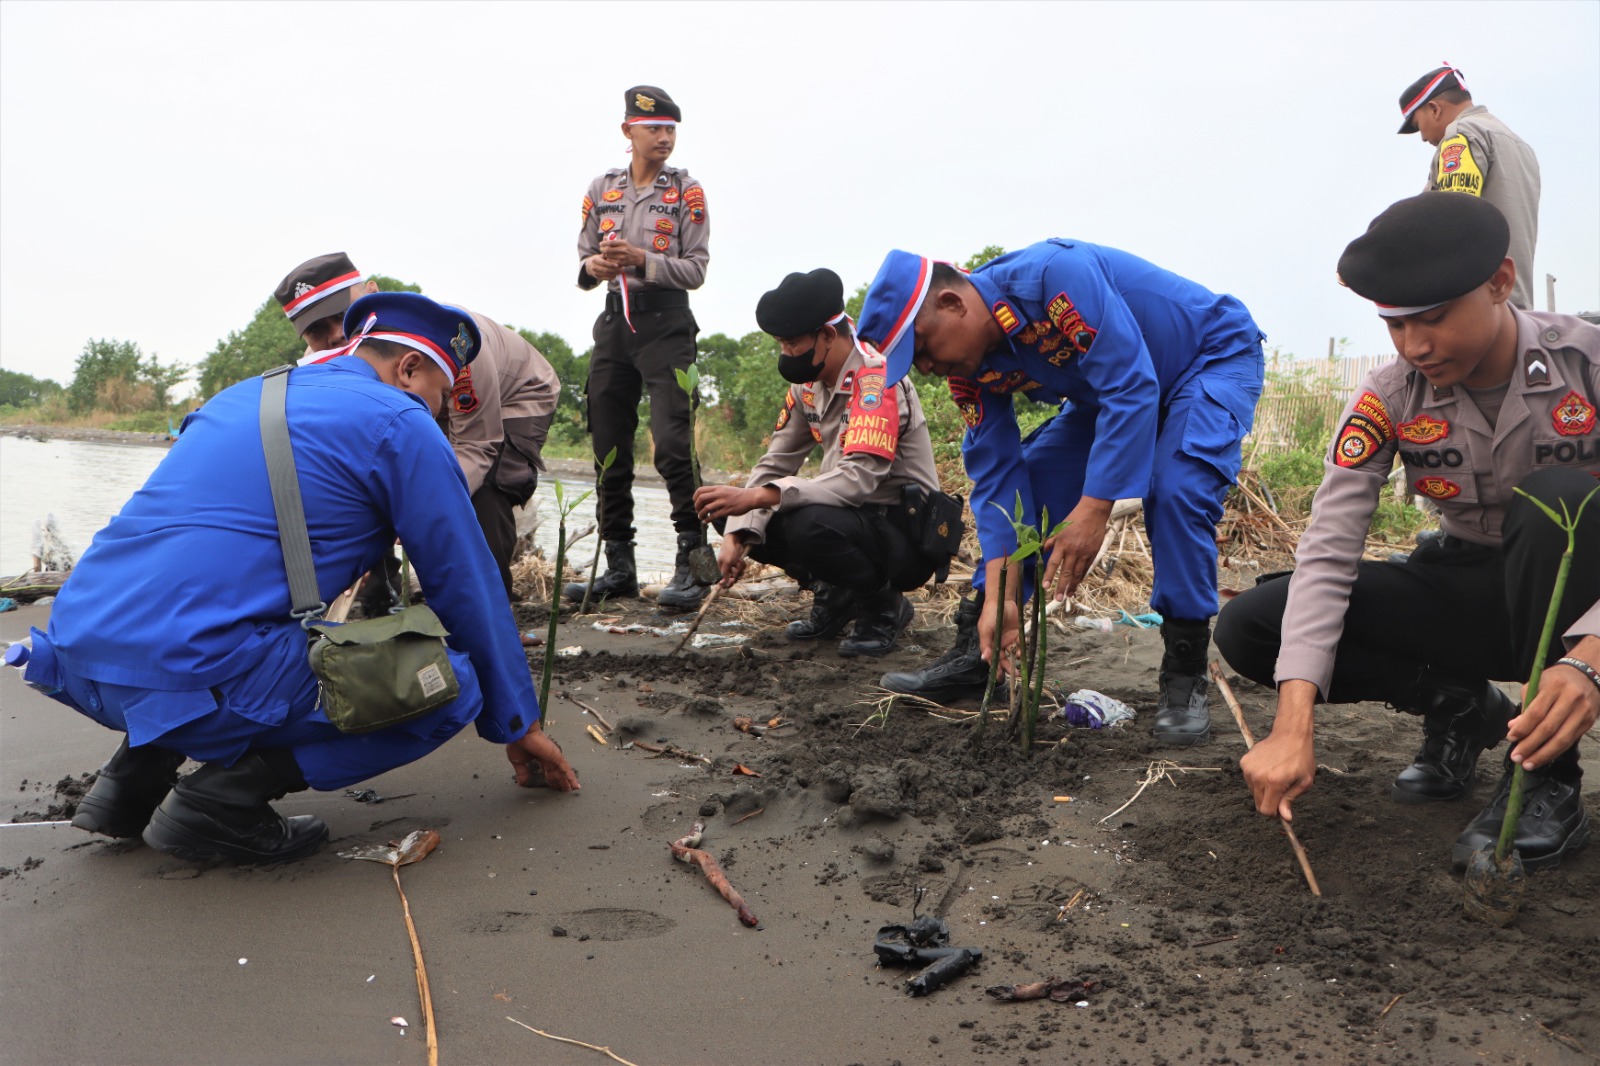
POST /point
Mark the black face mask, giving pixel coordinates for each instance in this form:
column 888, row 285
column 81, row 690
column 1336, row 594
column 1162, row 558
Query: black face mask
column 799, row 369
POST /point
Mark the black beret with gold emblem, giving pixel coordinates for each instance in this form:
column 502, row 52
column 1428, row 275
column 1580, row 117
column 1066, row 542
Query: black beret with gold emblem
column 1425, row 251
column 801, row 304
column 645, row 105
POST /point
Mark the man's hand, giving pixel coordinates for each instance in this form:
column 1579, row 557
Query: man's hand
column 728, row 501
column 600, row 268
column 1565, row 709
column 1281, row 767
column 536, row 746
column 730, row 559
column 1072, row 551
column 990, row 620
column 622, row 254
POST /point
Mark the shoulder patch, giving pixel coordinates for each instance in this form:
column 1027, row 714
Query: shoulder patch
column 1066, row 318
column 964, row 391
column 694, row 198
column 1458, row 171
column 1004, row 315
column 588, row 205
column 463, row 398
column 1424, row 430
column 1535, row 368
column 1366, row 430
column 1574, row 416
column 874, row 427
column 1437, row 488
column 783, row 415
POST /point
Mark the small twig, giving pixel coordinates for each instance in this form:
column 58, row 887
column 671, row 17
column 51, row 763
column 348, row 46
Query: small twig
column 1160, row 770
column 1390, row 1007
column 747, row 817
column 1224, row 940
column 671, row 750
column 568, row 1040
column 711, row 597
column 1250, row 742
column 1562, row 1038
column 422, row 973
column 687, row 849
column 570, row 698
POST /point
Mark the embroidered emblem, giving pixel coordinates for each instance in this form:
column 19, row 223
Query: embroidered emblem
column 462, row 396
column 964, row 391
column 588, row 205
column 989, row 376
column 1457, row 170
column 694, row 198
column 670, row 196
column 661, row 242
column 302, row 288
column 849, row 379
column 1437, row 488
column 1356, row 444
column 697, row 215
column 870, row 394
column 808, row 397
column 783, row 415
column 1450, row 158
column 607, row 225
column 1370, row 406
column 1424, row 430
column 1574, row 416
column 1005, row 316
column 644, row 103
column 611, row 196
column 461, row 345
column 873, row 426
column 664, row 225
column 816, row 434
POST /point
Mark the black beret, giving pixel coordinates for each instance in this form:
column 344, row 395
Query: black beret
column 1425, row 88
column 1425, row 250
column 801, row 304
column 646, row 102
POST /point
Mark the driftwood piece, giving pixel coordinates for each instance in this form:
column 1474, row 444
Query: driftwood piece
column 687, row 849
column 25, row 588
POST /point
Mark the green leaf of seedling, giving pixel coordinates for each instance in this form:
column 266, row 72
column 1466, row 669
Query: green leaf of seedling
column 560, row 493
column 1549, row 511
column 611, row 457
column 1024, row 551
column 1017, row 511
column 573, row 506
column 688, row 380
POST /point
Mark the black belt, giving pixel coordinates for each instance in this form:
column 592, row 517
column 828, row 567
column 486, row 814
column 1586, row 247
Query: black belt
column 654, row 300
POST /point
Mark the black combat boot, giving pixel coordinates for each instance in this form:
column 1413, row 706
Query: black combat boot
column 129, row 787
column 884, row 616
column 832, row 608
column 221, row 813
column 1183, row 717
column 620, row 579
column 1553, row 821
column 683, row 593
column 959, row 672
column 1458, row 722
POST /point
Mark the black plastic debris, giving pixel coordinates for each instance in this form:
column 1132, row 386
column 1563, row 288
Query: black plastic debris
column 924, row 942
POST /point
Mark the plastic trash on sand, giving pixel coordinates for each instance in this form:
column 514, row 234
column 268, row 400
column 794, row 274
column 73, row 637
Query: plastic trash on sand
column 718, row 640
column 1094, row 710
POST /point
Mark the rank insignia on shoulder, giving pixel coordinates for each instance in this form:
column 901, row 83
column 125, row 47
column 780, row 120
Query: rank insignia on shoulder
column 661, row 242
column 1574, row 416
column 670, row 196
column 783, row 416
column 1437, row 488
column 1535, row 370
column 1004, row 315
column 588, row 205
column 1424, row 430
column 611, row 196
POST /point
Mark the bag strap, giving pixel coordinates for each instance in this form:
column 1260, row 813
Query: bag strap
column 306, row 605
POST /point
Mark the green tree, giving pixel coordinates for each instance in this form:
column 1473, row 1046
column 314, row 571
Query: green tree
column 24, row 390
column 103, row 364
column 572, row 371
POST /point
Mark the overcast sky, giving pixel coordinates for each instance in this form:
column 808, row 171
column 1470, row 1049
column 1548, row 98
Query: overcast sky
column 162, row 166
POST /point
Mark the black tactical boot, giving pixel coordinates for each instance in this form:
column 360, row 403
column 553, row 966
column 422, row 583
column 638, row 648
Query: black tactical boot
column 129, row 787
column 221, row 814
column 620, row 579
column 959, row 672
column 1183, row 717
column 1458, row 722
column 1553, row 821
column 832, row 608
column 884, row 616
column 683, row 593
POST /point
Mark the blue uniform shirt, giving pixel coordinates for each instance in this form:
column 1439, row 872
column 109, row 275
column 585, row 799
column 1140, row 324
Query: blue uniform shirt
column 185, row 587
column 1109, row 333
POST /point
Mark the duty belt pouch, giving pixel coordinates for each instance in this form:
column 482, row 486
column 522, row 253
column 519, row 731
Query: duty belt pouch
column 372, row 674
column 934, row 525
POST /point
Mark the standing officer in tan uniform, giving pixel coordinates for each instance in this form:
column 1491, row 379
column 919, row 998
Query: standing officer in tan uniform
column 847, row 529
column 497, row 417
column 1484, row 402
column 645, row 237
column 1480, row 156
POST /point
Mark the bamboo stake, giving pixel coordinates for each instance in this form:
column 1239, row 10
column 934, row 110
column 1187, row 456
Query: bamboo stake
column 1250, row 742
column 711, row 597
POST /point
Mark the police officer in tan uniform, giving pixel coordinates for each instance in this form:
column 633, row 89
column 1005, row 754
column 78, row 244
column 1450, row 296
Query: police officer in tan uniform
column 645, row 237
column 845, row 530
column 1484, row 403
column 1477, row 154
column 497, row 417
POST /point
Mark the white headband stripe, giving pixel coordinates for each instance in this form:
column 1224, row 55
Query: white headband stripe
column 421, row 344
column 908, row 317
column 1391, row 311
column 649, row 122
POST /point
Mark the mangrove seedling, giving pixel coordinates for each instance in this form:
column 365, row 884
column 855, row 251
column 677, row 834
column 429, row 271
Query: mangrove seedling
column 594, row 563
column 564, row 507
column 1495, row 879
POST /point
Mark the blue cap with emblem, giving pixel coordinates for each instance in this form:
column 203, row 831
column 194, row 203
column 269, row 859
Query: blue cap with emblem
column 445, row 334
column 893, row 300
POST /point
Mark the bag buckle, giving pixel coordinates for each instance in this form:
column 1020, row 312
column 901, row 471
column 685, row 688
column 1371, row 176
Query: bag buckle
column 310, row 616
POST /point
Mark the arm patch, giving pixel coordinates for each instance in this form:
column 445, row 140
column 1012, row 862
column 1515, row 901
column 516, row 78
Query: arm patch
column 874, row 417
column 964, row 391
column 783, row 415
column 1458, row 170
column 1364, row 433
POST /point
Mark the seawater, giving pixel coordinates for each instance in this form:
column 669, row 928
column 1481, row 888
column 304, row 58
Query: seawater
column 86, row 483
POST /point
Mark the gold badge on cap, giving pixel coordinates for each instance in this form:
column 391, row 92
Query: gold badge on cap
column 462, row 342
column 643, row 102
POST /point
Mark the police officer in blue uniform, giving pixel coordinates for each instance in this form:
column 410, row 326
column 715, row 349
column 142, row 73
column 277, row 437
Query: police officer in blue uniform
column 1158, row 380
column 156, row 636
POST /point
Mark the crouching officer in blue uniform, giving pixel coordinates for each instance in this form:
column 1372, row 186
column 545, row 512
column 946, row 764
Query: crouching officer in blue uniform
column 848, row 530
column 1159, row 379
column 1490, row 409
column 157, row 636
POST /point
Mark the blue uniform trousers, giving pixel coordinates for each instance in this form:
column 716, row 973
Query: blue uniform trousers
column 273, row 705
column 1197, row 458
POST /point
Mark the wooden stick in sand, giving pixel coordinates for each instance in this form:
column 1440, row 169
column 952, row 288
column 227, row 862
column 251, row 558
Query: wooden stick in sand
column 711, row 597
column 687, row 849
column 1250, row 742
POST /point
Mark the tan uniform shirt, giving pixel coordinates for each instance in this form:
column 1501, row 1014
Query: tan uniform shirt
column 869, row 452
column 668, row 220
column 1452, row 456
column 507, row 393
column 1480, row 156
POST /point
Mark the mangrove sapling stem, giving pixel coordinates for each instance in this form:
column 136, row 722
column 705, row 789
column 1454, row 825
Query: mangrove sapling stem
column 600, row 500
column 1569, row 524
column 994, row 662
column 1030, row 699
column 563, row 509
